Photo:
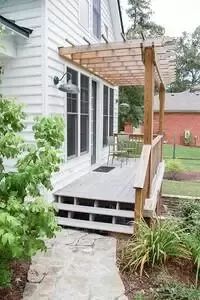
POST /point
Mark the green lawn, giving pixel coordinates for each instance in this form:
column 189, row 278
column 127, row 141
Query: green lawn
column 183, row 188
column 189, row 156
column 181, row 152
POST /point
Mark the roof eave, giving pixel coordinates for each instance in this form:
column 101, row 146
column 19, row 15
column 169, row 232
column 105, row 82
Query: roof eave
column 25, row 32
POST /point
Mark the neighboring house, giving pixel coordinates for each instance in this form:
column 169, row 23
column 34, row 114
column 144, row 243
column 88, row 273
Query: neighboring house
column 182, row 112
column 30, row 61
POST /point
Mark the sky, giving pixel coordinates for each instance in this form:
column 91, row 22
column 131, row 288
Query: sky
column 175, row 15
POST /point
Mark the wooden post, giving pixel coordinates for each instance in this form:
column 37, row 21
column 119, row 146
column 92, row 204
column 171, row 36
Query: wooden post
column 161, row 114
column 138, row 214
column 148, row 95
column 162, row 107
column 149, row 82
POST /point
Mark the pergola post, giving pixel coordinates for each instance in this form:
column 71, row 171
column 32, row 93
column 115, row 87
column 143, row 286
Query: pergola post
column 162, row 107
column 149, row 82
column 148, row 95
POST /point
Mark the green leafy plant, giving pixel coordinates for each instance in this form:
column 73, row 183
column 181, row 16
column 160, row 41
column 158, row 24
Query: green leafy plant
column 189, row 212
column 173, row 168
column 177, row 292
column 139, row 296
column 153, row 245
column 26, row 219
column 187, row 137
column 192, row 242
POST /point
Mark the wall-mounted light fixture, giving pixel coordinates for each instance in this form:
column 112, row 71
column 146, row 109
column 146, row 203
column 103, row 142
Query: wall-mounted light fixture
column 68, row 87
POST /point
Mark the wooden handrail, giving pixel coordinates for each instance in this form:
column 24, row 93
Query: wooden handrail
column 150, row 159
column 143, row 166
column 157, row 140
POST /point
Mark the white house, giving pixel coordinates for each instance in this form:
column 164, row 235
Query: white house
column 33, row 31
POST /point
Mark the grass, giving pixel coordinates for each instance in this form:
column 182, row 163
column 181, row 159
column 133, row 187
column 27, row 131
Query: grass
column 183, row 188
column 189, row 156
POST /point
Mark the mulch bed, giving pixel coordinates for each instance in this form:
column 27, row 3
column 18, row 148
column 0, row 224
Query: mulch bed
column 181, row 271
column 183, row 176
column 19, row 279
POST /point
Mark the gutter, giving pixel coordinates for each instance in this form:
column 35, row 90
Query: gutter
column 120, row 16
column 21, row 30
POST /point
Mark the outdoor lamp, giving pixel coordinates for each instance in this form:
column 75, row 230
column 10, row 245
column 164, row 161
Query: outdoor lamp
column 68, row 87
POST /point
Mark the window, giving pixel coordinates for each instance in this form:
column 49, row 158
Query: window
column 105, row 115
column 72, row 118
column 97, row 18
column 84, row 134
column 111, row 113
column 84, row 13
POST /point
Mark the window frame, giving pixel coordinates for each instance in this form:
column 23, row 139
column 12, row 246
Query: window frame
column 84, row 111
column 105, row 115
column 96, row 16
column 111, row 112
column 87, row 28
column 72, row 113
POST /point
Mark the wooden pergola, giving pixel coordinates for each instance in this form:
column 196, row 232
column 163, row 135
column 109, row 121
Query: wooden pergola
column 133, row 63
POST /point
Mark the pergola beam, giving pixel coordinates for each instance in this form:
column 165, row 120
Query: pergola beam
column 133, row 44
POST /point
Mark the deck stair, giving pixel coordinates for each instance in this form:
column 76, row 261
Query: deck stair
column 106, row 201
column 95, row 214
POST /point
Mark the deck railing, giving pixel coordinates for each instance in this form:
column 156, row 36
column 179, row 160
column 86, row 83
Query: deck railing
column 150, row 159
column 156, row 154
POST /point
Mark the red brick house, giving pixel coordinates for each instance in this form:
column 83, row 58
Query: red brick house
column 182, row 112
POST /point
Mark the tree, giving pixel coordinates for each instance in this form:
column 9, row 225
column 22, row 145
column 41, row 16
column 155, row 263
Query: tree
column 140, row 13
column 187, row 62
column 133, row 113
column 25, row 217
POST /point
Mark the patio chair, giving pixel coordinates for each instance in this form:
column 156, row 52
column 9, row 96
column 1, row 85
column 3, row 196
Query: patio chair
column 116, row 150
column 129, row 145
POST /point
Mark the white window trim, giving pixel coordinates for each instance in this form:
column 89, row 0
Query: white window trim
column 89, row 17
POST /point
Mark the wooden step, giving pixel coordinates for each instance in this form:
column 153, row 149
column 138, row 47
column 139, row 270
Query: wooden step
column 127, row 229
column 96, row 210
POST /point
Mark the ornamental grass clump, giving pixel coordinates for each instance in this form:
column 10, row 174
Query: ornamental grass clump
column 153, row 246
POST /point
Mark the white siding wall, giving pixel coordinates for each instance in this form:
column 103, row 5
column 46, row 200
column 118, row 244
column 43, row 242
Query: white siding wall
column 63, row 23
column 22, row 77
column 29, row 76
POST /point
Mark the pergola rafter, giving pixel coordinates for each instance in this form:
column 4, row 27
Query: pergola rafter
column 122, row 63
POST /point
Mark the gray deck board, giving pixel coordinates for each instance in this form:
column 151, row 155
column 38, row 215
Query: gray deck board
column 95, row 225
column 95, row 210
column 116, row 185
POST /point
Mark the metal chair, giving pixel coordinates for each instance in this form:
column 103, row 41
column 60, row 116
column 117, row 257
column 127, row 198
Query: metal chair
column 116, row 150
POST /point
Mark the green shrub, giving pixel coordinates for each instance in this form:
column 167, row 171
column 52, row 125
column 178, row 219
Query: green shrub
column 139, row 296
column 192, row 243
column 177, row 292
column 174, row 167
column 189, row 211
column 153, row 245
column 26, row 219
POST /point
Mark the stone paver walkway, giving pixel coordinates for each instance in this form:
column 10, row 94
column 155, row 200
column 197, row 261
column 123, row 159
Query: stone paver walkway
column 77, row 266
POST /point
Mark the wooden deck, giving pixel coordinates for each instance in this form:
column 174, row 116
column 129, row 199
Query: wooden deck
column 116, row 185
column 105, row 201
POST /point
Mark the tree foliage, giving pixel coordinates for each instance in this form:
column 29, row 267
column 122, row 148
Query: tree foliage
column 187, row 62
column 140, row 13
column 134, row 97
column 25, row 217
